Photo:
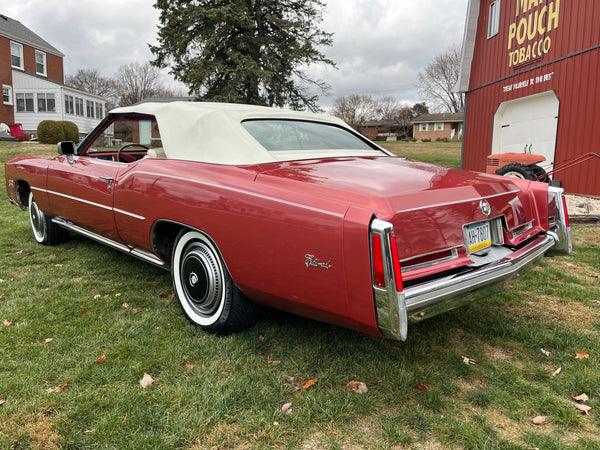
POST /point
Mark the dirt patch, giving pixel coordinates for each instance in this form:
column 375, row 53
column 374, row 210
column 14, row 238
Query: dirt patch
column 552, row 310
column 32, row 431
column 224, row 435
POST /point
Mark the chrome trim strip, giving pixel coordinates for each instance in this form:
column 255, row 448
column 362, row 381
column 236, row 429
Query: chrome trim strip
column 135, row 216
column 458, row 201
column 390, row 306
column 87, row 202
column 138, row 253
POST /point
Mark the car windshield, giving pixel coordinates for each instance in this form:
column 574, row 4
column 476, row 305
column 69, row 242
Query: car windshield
column 294, row 135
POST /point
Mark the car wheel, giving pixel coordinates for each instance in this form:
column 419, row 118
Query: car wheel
column 44, row 230
column 205, row 290
column 515, row 170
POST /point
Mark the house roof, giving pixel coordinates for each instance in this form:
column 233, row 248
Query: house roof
column 49, row 81
column 15, row 30
column 443, row 117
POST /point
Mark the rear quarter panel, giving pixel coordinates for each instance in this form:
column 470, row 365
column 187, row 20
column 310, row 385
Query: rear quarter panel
column 265, row 234
column 32, row 171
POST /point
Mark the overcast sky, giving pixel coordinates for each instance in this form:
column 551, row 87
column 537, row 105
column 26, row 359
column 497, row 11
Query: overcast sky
column 379, row 45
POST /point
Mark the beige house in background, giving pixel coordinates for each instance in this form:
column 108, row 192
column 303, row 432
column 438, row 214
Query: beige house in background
column 444, row 126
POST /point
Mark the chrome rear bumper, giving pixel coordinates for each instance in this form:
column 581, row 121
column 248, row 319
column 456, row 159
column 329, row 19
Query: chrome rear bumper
column 396, row 309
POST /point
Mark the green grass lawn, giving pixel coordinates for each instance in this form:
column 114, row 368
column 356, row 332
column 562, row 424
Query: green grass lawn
column 63, row 308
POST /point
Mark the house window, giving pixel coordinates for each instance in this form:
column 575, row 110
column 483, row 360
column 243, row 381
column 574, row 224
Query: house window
column 69, row 108
column 89, row 108
column 7, row 97
column 16, row 55
column 25, row 103
column 424, row 127
column 99, row 113
column 46, row 103
column 40, row 63
column 78, row 106
column 439, row 126
column 494, row 19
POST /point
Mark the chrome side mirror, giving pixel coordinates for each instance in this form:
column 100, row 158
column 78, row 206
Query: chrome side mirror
column 66, row 148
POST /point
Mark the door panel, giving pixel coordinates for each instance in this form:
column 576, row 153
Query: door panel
column 82, row 192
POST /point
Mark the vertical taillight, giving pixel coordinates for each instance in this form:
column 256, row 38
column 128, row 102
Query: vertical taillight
column 567, row 221
column 396, row 262
column 386, row 263
column 378, row 270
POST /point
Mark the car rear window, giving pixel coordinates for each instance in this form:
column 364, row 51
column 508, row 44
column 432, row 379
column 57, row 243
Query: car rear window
column 295, row 135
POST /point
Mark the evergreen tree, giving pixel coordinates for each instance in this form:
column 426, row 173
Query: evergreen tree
column 243, row 51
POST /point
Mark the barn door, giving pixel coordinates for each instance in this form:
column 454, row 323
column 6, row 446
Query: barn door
column 527, row 125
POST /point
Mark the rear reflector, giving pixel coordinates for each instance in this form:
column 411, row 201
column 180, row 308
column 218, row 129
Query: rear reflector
column 378, row 271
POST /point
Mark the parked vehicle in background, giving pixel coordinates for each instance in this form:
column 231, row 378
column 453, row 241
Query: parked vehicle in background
column 248, row 205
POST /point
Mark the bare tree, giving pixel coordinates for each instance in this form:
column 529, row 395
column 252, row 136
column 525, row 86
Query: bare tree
column 437, row 81
column 139, row 81
column 91, row 81
column 355, row 109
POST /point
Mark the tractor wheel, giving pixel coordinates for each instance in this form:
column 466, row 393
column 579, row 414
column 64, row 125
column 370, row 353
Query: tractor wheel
column 538, row 171
column 516, row 170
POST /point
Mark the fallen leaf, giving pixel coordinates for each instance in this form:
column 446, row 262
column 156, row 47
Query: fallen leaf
column 273, row 361
column 276, row 423
column 142, row 291
column 261, row 338
column 58, row 265
column 13, row 278
column 51, row 257
column 7, row 323
column 125, row 305
column 309, row 383
column 47, row 341
column 583, row 408
column 19, row 252
column 596, row 302
column 118, row 294
column 60, row 389
column 97, row 296
column 107, row 295
column 581, row 398
column 358, row 386
column 2, row 297
column 1, row 280
column 45, row 289
column 545, row 352
column 582, row 355
column 146, row 381
column 557, row 371
column 286, row 408
column 539, row 420
column 422, row 388
column 478, row 381
column 100, row 360
column 170, row 296
column 571, row 266
column 135, row 311
column 88, row 431
column 83, row 311
column 92, row 290
column 188, row 365
column 2, row 401
column 468, row 361
column 153, row 288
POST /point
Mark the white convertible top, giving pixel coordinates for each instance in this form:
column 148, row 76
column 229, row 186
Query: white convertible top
column 212, row 132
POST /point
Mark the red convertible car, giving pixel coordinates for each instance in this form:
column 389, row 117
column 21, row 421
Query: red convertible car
column 251, row 206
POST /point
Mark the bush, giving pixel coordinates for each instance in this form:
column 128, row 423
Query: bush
column 70, row 131
column 52, row 131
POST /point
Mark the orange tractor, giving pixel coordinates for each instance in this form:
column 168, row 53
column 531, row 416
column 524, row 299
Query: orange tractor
column 525, row 165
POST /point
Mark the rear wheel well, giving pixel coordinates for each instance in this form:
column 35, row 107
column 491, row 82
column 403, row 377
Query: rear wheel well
column 164, row 234
column 22, row 190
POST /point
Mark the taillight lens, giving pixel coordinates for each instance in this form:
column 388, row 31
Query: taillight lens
column 396, row 262
column 378, row 271
column 564, row 202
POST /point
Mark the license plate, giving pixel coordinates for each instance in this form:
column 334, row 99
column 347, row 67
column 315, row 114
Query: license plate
column 478, row 236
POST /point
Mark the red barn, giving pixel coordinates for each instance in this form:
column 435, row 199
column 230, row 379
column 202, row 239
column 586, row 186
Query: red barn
column 531, row 73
